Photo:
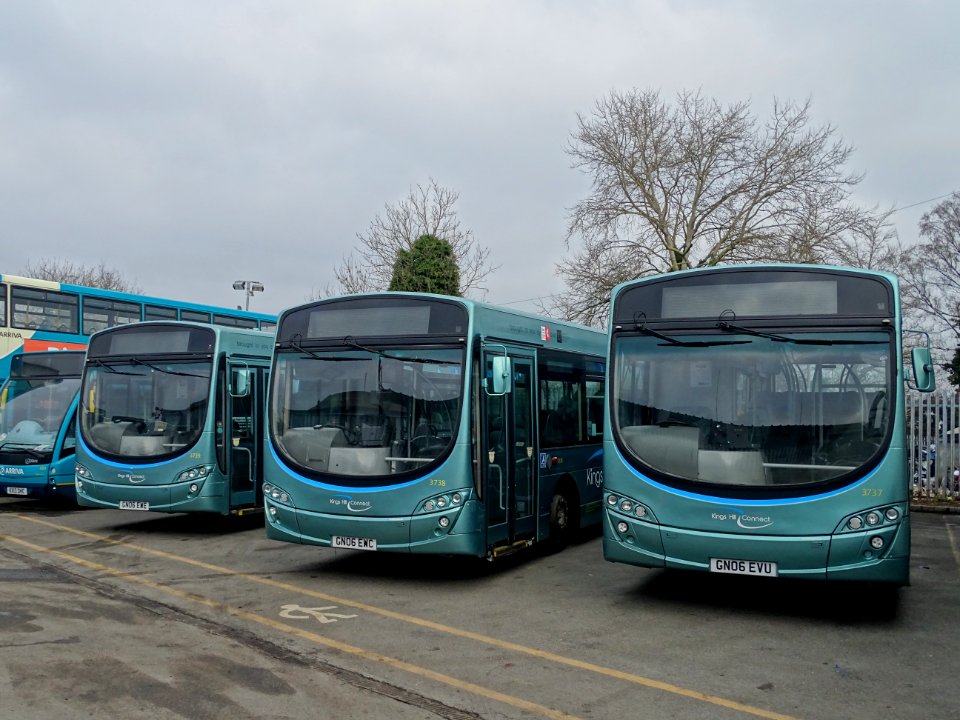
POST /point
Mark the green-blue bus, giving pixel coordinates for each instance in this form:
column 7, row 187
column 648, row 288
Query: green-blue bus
column 171, row 418
column 756, row 423
column 429, row 424
column 38, row 439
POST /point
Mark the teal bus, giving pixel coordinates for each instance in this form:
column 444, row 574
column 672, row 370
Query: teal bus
column 171, row 418
column 756, row 424
column 38, row 407
column 420, row 423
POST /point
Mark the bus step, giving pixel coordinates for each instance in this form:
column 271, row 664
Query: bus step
column 502, row 550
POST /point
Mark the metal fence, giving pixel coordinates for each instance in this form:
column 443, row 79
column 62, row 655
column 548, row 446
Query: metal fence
column 933, row 444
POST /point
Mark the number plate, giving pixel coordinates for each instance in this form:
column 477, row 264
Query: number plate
column 354, row 543
column 743, row 567
column 16, row 491
column 134, row 505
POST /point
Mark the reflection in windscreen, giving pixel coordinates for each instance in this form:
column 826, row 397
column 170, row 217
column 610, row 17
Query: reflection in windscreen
column 32, row 411
column 358, row 413
column 761, row 413
column 141, row 411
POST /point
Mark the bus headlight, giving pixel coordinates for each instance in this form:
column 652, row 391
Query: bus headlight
column 855, row 523
column 876, row 542
column 446, row 501
column 82, row 472
column 892, row 514
column 873, row 518
column 619, row 503
column 194, row 473
column 277, row 494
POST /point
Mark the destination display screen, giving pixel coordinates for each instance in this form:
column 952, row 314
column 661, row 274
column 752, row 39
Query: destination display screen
column 756, row 293
column 152, row 340
column 47, row 364
column 384, row 316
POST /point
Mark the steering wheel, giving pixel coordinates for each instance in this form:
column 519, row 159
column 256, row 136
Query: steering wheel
column 347, row 432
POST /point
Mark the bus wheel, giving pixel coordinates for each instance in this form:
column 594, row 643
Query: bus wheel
column 563, row 518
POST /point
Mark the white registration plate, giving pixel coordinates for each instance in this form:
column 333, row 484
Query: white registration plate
column 16, row 491
column 134, row 505
column 354, row 543
column 743, row 567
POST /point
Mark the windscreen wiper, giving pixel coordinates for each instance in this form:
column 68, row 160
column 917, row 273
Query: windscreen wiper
column 168, row 372
column 30, row 450
column 350, row 342
column 729, row 327
column 643, row 329
column 101, row 363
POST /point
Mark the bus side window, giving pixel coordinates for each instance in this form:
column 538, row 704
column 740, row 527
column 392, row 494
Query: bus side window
column 594, row 408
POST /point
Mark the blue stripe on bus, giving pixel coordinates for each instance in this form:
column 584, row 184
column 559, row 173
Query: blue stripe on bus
column 346, row 488
column 753, row 503
column 97, row 458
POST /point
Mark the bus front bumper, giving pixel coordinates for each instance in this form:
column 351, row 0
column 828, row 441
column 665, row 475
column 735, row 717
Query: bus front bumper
column 408, row 533
column 841, row 556
column 172, row 498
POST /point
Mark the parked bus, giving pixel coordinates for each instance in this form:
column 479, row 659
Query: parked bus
column 756, row 424
column 38, row 410
column 428, row 424
column 45, row 315
column 171, row 418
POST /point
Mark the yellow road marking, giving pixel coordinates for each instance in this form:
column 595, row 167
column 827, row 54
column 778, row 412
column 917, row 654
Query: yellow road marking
column 305, row 634
column 953, row 543
column 446, row 629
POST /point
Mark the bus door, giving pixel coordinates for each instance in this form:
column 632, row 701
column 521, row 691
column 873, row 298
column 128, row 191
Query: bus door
column 245, row 406
column 508, row 451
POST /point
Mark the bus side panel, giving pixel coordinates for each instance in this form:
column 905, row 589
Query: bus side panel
column 556, row 465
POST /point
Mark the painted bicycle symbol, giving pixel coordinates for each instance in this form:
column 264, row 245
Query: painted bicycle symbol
column 322, row 614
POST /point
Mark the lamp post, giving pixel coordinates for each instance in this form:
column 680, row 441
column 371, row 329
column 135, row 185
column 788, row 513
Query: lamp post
column 249, row 287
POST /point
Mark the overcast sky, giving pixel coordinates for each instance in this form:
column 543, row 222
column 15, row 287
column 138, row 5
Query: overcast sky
column 191, row 144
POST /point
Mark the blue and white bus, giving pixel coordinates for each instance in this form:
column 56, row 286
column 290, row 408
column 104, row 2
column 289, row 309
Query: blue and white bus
column 38, row 409
column 421, row 423
column 171, row 418
column 43, row 315
column 39, row 317
column 756, row 424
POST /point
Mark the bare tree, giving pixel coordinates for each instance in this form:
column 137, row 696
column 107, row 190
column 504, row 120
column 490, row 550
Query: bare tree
column 66, row 271
column 872, row 243
column 698, row 184
column 930, row 272
column 427, row 210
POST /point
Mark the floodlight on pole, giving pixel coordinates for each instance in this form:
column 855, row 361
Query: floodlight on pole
column 249, row 287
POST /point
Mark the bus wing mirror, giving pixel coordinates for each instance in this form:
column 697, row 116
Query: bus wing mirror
column 240, row 383
column 499, row 382
column 923, row 378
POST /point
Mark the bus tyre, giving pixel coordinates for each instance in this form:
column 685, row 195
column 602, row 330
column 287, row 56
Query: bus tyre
column 563, row 523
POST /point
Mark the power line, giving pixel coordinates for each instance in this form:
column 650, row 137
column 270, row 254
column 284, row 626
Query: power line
column 922, row 202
